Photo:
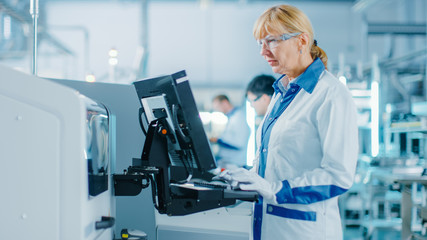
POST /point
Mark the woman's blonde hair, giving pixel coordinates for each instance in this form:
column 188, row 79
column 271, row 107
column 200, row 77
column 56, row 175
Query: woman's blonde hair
column 287, row 19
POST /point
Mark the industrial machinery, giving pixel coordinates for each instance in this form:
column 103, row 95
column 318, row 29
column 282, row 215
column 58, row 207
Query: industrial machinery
column 58, row 149
column 175, row 150
column 56, row 162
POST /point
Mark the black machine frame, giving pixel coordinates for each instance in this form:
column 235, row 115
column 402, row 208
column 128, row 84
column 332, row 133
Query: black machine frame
column 169, row 196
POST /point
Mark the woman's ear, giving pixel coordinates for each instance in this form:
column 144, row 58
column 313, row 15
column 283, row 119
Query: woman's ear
column 304, row 41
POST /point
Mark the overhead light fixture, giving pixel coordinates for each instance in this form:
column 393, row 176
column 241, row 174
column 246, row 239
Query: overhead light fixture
column 113, row 61
column 90, row 78
column 113, row 52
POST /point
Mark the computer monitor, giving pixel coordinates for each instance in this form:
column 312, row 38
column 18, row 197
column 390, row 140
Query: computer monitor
column 170, row 97
column 175, row 150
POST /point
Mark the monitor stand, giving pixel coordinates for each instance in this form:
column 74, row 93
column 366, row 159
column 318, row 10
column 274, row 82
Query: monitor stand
column 170, row 198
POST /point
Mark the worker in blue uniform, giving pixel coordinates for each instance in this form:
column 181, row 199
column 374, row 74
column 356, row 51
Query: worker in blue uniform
column 308, row 144
column 233, row 140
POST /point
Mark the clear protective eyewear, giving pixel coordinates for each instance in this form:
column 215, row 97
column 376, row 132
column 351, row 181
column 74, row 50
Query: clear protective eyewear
column 272, row 42
column 254, row 100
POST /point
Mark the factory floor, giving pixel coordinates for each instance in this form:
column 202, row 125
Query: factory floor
column 356, row 233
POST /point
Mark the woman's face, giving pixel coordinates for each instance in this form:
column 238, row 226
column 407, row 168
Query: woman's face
column 282, row 55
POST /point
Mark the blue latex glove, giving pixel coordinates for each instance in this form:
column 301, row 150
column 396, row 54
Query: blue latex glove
column 250, row 180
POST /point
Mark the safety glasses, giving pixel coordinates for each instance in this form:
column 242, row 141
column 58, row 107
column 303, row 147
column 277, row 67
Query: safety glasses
column 271, row 42
column 255, row 99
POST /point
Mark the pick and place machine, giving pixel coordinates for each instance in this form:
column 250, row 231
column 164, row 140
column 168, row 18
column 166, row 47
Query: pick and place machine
column 56, row 148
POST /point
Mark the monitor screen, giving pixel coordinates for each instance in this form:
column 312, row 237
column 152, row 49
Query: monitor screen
column 170, row 97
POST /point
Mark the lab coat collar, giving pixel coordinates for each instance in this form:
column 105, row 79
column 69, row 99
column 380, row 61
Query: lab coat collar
column 307, row 80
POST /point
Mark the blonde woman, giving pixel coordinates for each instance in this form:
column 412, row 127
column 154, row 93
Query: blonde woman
column 307, row 141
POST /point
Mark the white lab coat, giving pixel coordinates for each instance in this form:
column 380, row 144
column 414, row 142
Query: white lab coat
column 236, row 134
column 313, row 143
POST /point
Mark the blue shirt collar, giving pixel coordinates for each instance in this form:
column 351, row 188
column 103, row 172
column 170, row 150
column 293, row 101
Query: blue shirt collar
column 308, row 79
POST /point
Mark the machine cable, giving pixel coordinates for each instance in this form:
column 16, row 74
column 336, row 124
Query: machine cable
column 184, row 141
column 141, row 124
column 154, row 192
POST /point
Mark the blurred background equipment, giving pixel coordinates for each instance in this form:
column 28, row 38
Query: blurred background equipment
column 376, row 48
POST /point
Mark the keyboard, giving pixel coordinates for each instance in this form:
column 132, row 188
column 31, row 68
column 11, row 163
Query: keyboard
column 211, row 191
column 211, row 185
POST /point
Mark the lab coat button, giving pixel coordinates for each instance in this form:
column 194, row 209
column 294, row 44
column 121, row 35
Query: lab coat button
column 270, row 209
column 264, row 150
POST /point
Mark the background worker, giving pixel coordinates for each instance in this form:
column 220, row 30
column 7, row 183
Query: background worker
column 233, row 140
column 259, row 92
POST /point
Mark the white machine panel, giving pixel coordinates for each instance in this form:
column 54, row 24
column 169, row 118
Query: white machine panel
column 44, row 138
column 29, row 205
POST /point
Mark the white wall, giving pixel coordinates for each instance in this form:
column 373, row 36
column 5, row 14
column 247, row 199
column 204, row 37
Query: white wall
column 110, row 25
column 215, row 45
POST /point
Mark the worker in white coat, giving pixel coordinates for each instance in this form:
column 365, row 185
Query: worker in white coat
column 307, row 141
column 233, row 141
